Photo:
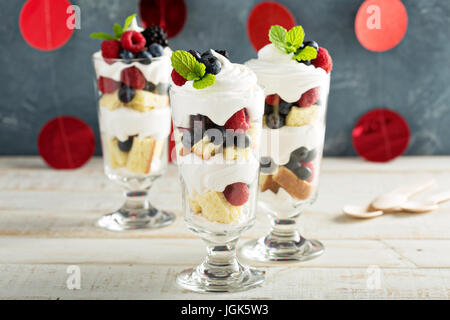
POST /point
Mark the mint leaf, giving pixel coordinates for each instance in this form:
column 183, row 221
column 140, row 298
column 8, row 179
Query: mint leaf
column 102, row 36
column 128, row 21
column 307, row 53
column 277, row 35
column 208, row 80
column 118, row 31
column 295, row 37
column 185, row 64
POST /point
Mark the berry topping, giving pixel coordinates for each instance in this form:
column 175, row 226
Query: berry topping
column 133, row 41
column 303, row 172
column 126, row 94
column 275, row 121
column 237, row 193
column 212, row 64
column 313, row 44
column 284, row 107
column 239, row 120
column 177, row 78
column 310, row 166
column 323, row 60
column 311, row 155
column 145, row 57
column 300, row 154
column 155, row 34
column 133, row 77
column 224, row 53
column 156, row 49
column 126, row 55
column 273, row 99
column 150, row 86
column 106, row 85
column 309, row 98
column 125, row 146
column 110, row 50
column 196, row 55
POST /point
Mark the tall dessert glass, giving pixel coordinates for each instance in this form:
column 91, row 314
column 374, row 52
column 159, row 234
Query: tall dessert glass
column 291, row 152
column 134, row 118
column 217, row 132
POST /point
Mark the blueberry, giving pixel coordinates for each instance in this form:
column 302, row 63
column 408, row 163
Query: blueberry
column 149, row 86
column 274, row 121
column 311, row 156
column 284, row 107
column 162, row 88
column 300, row 155
column 207, row 53
column 303, row 173
column 307, row 62
column 156, row 49
column 242, row 140
column 212, row 64
column 224, row 53
column 195, row 54
column 313, row 44
column 267, row 165
column 145, row 57
column 126, row 55
column 187, row 139
column 216, row 136
column 293, row 164
column 126, row 94
column 125, row 146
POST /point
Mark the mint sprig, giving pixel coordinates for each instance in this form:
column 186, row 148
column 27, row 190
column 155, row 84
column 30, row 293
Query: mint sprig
column 189, row 68
column 291, row 42
column 117, row 29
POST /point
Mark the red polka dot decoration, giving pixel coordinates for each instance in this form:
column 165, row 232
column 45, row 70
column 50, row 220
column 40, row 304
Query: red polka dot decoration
column 380, row 25
column 381, row 135
column 43, row 23
column 66, row 142
column 168, row 14
column 262, row 17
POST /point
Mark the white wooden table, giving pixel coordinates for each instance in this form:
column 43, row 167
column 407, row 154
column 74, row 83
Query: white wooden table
column 47, row 223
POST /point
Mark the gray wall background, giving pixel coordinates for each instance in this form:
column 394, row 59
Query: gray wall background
column 412, row 79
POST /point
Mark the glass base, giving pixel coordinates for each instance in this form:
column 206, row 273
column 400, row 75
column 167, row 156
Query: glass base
column 267, row 250
column 201, row 281
column 149, row 219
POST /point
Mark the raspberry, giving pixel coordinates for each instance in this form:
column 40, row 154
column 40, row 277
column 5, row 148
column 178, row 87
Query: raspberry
column 273, row 99
column 309, row 98
column 237, row 193
column 133, row 77
column 177, row 78
column 110, row 50
column 239, row 120
column 310, row 166
column 133, row 41
column 323, row 60
column 106, row 85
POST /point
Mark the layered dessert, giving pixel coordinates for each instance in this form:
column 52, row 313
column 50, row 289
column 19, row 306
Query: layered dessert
column 217, row 110
column 133, row 74
column 295, row 77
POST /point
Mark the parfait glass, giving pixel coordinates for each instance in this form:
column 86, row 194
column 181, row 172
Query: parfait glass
column 134, row 119
column 219, row 171
column 291, row 154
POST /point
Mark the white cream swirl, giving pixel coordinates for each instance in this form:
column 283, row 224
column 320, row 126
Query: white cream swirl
column 278, row 73
column 235, row 88
column 216, row 173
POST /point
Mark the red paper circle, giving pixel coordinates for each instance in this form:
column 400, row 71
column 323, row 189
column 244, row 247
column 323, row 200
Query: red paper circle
column 262, row 17
column 66, row 142
column 380, row 25
column 168, row 14
column 43, row 23
column 381, row 135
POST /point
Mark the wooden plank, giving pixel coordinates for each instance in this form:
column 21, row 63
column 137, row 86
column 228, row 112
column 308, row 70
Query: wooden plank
column 339, row 253
column 158, row 282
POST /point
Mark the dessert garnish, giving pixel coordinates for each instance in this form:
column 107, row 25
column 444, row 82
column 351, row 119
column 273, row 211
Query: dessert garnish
column 306, row 52
column 127, row 43
column 193, row 66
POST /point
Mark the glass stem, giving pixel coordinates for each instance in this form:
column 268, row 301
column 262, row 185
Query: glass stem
column 284, row 235
column 136, row 204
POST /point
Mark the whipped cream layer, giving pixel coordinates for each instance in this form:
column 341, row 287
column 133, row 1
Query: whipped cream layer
column 216, row 173
column 124, row 122
column 278, row 73
column 235, row 88
column 280, row 143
